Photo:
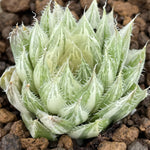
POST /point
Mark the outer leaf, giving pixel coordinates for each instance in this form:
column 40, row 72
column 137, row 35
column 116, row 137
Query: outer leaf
column 113, row 93
column 11, row 84
column 89, row 130
column 36, row 128
column 131, row 103
column 131, row 72
column 6, row 77
column 55, row 124
column 112, row 109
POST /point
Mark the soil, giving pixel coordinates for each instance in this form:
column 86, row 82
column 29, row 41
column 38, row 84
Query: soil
column 131, row 133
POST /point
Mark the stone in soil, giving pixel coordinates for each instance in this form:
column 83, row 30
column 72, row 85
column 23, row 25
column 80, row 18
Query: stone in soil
column 140, row 23
column 146, row 142
column 7, row 127
column 148, row 79
column 137, row 2
column 147, row 66
column 147, row 132
column 143, row 38
column 26, row 19
column 39, row 143
column 134, row 44
column 75, row 15
column 135, row 32
column 60, row 2
column 61, row 149
column 6, row 116
column 3, row 100
column 85, row 4
column 7, row 19
column 145, row 123
column 65, row 142
column 148, row 30
column 18, row 128
column 148, row 112
column 106, row 145
column 126, row 20
column 32, row 5
column 2, row 132
column 125, row 134
column 142, row 86
column 10, row 142
column 6, row 31
column 75, row 7
column 39, row 5
column 146, row 103
column 125, row 8
column 2, row 67
column 148, row 51
column 15, row 6
column 142, row 79
column 2, row 47
column 10, row 55
column 136, row 145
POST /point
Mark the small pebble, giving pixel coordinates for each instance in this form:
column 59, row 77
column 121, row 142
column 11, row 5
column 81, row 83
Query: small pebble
column 15, row 6
column 6, row 116
column 2, row 133
column 10, row 142
column 18, row 128
column 65, row 142
column 137, row 146
column 125, row 134
column 39, row 5
column 148, row 51
column 147, row 132
column 143, row 38
column 2, row 47
column 40, row 143
column 2, row 67
column 106, row 145
column 145, row 123
column 122, row 8
column 8, row 19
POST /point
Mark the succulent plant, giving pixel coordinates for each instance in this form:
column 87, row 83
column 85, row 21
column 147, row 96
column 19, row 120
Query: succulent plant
column 73, row 77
